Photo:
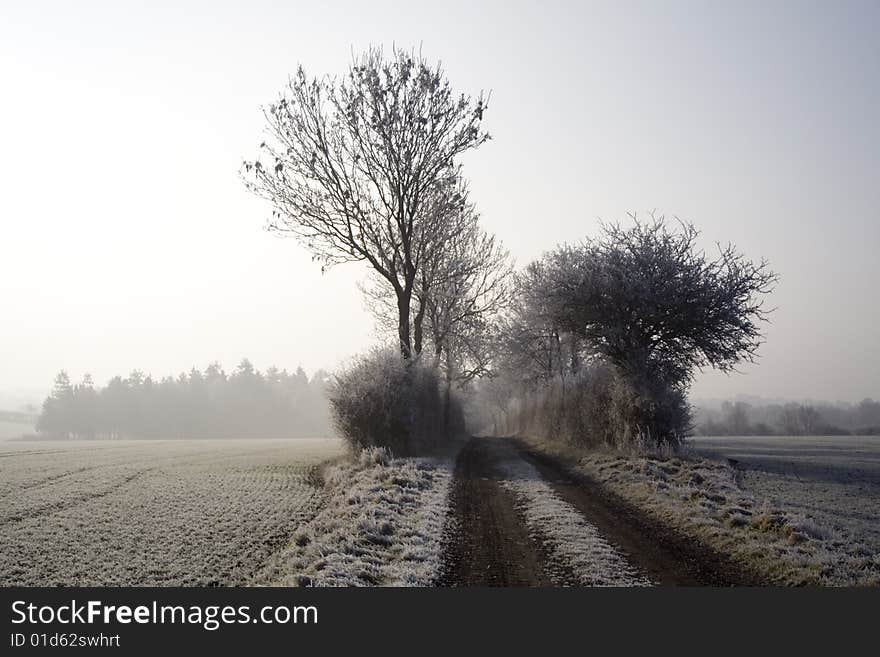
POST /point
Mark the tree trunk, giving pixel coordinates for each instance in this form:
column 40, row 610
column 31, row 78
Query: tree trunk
column 403, row 301
column 447, row 393
column 447, row 409
column 417, row 328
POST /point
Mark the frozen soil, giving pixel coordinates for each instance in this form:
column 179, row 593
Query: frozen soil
column 161, row 513
column 504, row 512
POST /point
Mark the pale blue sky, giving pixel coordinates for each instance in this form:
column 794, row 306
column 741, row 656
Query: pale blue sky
column 128, row 240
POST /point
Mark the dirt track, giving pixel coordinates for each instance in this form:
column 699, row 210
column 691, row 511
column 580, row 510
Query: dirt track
column 490, row 545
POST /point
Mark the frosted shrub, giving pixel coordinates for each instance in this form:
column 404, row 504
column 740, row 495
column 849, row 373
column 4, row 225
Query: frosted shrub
column 382, row 401
column 599, row 407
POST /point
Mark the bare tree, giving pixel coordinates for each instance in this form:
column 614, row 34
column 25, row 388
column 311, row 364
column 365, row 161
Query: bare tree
column 463, row 284
column 470, row 285
column 533, row 339
column 359, row 168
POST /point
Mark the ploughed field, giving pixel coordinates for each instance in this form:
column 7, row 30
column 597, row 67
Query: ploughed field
column 833, row 479
column 175, row 512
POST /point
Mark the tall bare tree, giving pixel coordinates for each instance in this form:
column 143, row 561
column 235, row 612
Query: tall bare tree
column 359, row 168
column 464, row 282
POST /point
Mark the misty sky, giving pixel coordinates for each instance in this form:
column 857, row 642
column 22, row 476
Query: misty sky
column 128, row 240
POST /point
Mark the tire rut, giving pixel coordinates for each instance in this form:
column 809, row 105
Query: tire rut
column 489, row 543
column 663, row 554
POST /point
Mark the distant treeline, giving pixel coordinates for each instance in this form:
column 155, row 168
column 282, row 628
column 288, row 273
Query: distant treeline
column 820, row 419
column 17, row 417
column 210, row 404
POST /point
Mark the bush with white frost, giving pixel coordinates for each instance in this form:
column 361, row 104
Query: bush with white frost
column 597, row 407
column 381, row 400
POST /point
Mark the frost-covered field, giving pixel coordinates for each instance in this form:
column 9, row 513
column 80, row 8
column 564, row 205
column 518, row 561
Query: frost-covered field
column 833, row 480
column 192, row 512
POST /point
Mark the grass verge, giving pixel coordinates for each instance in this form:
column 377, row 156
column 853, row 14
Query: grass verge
column 705, row 499
column 381, row 525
